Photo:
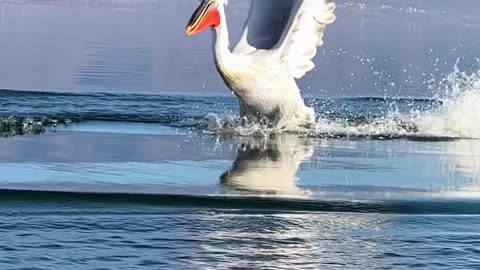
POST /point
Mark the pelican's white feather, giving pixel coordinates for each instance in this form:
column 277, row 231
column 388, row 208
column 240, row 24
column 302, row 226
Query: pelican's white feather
column 305, row 35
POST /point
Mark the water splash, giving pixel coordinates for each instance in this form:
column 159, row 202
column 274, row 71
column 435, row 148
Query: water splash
column 454, row 113
column 460, row 113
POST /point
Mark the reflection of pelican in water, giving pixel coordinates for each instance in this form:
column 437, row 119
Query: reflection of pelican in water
column 268, row 166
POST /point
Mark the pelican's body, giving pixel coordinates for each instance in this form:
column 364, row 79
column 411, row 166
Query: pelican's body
column 265, row 91
column 278, row 42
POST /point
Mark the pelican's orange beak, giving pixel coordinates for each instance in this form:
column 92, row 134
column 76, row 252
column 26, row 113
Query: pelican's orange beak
column 206, row 15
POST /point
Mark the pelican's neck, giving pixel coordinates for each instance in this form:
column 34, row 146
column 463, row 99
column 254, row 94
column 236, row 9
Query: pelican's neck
column 220, row 38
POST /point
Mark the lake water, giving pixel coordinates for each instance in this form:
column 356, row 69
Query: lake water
column 120, row 148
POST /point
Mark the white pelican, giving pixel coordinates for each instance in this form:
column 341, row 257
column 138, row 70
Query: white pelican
column 278, row 43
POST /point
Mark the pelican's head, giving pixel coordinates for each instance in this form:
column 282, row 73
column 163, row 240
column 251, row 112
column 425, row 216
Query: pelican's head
column 206, row 15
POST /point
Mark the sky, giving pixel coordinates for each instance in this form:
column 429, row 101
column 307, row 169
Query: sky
column 375, row 48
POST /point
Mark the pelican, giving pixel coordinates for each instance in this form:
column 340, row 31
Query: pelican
column 279, row 40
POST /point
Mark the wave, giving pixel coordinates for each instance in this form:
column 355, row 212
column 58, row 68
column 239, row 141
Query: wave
column 450, row 115
column 247, row 203
column 32, row 112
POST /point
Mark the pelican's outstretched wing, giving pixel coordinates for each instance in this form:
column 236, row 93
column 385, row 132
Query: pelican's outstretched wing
column 292, row 28
column 267, row 21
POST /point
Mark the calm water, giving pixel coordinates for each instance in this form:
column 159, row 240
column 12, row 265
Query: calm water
column 126, row 151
